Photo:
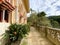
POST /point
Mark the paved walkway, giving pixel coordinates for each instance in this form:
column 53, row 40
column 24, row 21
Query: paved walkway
column 35, row 38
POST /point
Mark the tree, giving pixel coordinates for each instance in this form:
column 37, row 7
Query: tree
column 55, row 24
column 32, row 11
column 55, row 21
column 41, row 14
column 55, row 18
column 32, row 19
column 39, row 19
column 42, row 20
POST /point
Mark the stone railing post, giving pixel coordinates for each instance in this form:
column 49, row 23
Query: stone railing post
column 45, row 31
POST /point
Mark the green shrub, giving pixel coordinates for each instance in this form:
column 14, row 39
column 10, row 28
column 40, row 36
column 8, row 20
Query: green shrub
column 16, row 32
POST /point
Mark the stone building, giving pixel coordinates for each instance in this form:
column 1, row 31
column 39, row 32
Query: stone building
column 13, row 11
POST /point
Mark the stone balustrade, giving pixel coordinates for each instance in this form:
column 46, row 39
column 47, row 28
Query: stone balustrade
column 53, row 34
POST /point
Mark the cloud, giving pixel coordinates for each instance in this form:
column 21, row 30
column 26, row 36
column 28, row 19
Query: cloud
column 51, row 7
column 57, row 8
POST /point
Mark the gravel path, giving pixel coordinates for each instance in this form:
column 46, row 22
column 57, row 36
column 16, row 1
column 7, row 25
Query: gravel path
column 35, row 38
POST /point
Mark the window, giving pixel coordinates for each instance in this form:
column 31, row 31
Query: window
column 0, row 15
column 5, row 17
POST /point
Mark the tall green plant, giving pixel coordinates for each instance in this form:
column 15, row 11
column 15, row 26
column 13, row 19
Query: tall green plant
column 16, row 32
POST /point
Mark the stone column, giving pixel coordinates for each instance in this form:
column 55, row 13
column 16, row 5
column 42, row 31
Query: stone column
column 17, row 13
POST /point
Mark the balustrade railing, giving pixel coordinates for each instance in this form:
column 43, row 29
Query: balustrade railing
column 53, row 34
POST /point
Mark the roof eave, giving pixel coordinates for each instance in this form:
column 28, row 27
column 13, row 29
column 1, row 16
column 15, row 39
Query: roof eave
column 26, row 4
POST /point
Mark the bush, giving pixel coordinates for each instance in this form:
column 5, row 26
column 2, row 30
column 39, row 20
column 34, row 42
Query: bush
column 16, row 32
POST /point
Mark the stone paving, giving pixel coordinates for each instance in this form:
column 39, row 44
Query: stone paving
column 35, row 38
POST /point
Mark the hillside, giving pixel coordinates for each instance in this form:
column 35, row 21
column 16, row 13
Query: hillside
column 55, row 21
column 55, row 18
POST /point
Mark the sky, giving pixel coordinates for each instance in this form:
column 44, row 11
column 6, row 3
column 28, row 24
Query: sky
column 50, row 7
